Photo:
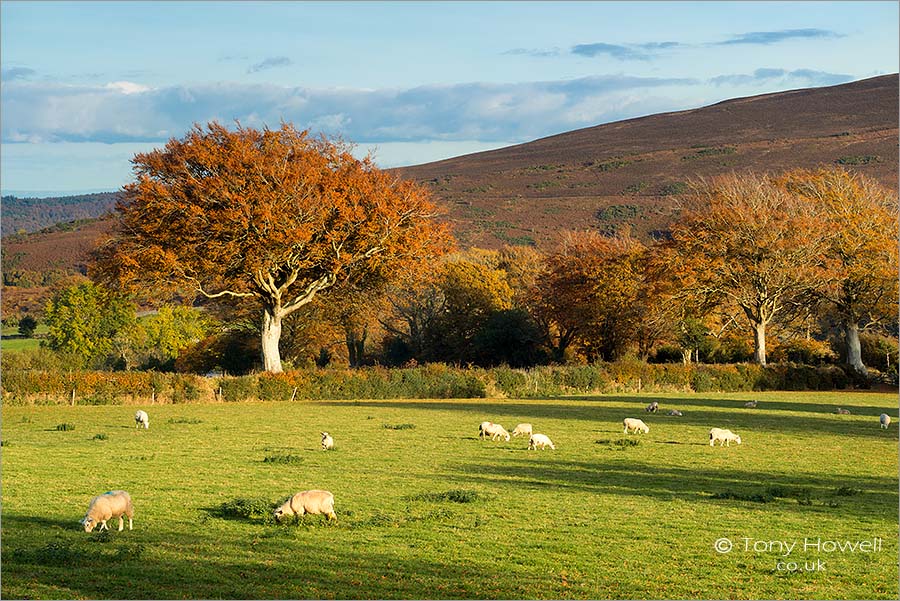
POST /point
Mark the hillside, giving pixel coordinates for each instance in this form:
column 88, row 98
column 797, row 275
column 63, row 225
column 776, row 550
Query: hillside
column 605, row 176
column 626, row 172
column 34, row 214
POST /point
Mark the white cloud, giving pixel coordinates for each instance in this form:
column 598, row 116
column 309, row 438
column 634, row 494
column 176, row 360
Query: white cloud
column 126, row 87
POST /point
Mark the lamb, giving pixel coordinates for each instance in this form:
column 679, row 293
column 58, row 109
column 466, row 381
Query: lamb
column 674, row 413
column 635, row 424
column 141, row 419
column 308, row 501
column 523, row 429
column 652, row 407
column 842, row 411
column 724, row 437
column 539, row 441
column 495, row 431
column 885, row 420
column 327, row 442
column 112, row 504
column 751, row 404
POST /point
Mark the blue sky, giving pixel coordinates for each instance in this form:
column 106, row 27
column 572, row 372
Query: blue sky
column 86, row 85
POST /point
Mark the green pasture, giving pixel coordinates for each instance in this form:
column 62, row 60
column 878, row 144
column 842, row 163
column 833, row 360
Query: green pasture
column 427, row 510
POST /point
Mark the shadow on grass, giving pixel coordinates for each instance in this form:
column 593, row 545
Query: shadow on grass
column 143, row 567
column 878, row 496
column 770, row 416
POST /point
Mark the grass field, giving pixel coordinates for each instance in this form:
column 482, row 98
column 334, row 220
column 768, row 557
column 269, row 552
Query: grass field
column 430, row 511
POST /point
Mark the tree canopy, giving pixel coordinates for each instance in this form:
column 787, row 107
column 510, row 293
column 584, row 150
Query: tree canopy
column 272, row 216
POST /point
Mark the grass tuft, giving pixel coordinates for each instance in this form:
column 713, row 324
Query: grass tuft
column 247, row 508
column 457, row 495
column 100, row 436
column 398, row 426
column 184, row 420
column 65, row 427
column 282, row 458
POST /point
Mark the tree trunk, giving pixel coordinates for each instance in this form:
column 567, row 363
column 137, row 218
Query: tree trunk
column 854, row 352
column 686, row 356
column 759, row 343
column 271, row 334
column 356, row 345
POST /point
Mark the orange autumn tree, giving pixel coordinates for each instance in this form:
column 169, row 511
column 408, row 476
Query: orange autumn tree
column 862, row 217
column 271, row 217
column 751, row 244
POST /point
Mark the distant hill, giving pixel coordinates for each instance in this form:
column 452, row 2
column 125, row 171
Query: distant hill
column 34, row 214
column 605, row 177
column 626, row 172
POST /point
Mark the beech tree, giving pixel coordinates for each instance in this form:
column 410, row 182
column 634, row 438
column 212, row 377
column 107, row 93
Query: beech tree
column 751, row 243
column 273, row 217
column 862, row 217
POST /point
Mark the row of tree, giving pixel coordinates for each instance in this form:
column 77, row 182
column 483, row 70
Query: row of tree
column 323, row 246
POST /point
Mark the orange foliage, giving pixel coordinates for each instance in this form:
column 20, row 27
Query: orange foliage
column 272, row 216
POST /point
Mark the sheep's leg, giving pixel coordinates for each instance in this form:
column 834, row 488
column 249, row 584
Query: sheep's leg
column 103, row 526
column 121, row 523
column 130, row 524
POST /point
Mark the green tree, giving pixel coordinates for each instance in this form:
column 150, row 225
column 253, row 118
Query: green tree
column 27, row 326
column 84, row 320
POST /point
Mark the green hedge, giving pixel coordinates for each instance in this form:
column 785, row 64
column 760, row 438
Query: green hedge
column 41, row 386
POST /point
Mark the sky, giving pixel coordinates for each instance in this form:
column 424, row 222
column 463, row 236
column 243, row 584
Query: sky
column 86, row 85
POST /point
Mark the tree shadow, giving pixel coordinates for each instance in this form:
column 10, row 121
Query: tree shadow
column 665, row 482
column 774, row 416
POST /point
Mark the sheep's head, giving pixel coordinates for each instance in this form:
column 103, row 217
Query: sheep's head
column 737, row 439
column 645, row 429
column 88, row 524
column 506, row 437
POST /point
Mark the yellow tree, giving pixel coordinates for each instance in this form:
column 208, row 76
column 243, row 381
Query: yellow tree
column 272, row 217
column 862, row 217
column 752, row 243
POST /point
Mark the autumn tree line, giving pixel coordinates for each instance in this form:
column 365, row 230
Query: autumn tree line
column 262, row 250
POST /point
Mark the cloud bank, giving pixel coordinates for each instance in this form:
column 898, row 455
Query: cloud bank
column 123, row 111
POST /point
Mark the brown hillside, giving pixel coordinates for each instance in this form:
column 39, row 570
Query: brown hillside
column 626, row 172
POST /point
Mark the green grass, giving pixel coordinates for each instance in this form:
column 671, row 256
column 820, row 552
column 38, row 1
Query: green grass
column 434, row 512
column 12, row 345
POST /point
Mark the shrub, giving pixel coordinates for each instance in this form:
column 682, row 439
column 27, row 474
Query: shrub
column 274, row 388
column 806, row 351
column 246, row 507
column 65, row 427
column 27, row 326
column 238, row 389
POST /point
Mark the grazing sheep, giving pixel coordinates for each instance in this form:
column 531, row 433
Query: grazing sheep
column 308, row 501
column 674, row 413
column 539, row 441
column 842, row 411
column 141, row 419
column 523, row 429
column 652, row 407
column 112, row 504
column 724, row 437
column 327, row 442
column 885, row 420
column 482, row 427
column 495, row 431
column 635, row 424
column 751, row 404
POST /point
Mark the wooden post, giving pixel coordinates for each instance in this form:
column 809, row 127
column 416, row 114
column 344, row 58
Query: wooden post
column 152, row 397
column 73, row 396
column 294, row 394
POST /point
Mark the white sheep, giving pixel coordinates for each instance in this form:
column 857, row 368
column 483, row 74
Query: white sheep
column 636, row 425
column 885, row 420
column 141, row 419
column 308, row 501
column 540, row 441
column 495, row 431
column 523, row 429
column 482, row 427
column 112, row 504
column 724, row 437
column 327, row 442
column 842, row 411
column 751, row 404
column 652, row 407
column 674, row 413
